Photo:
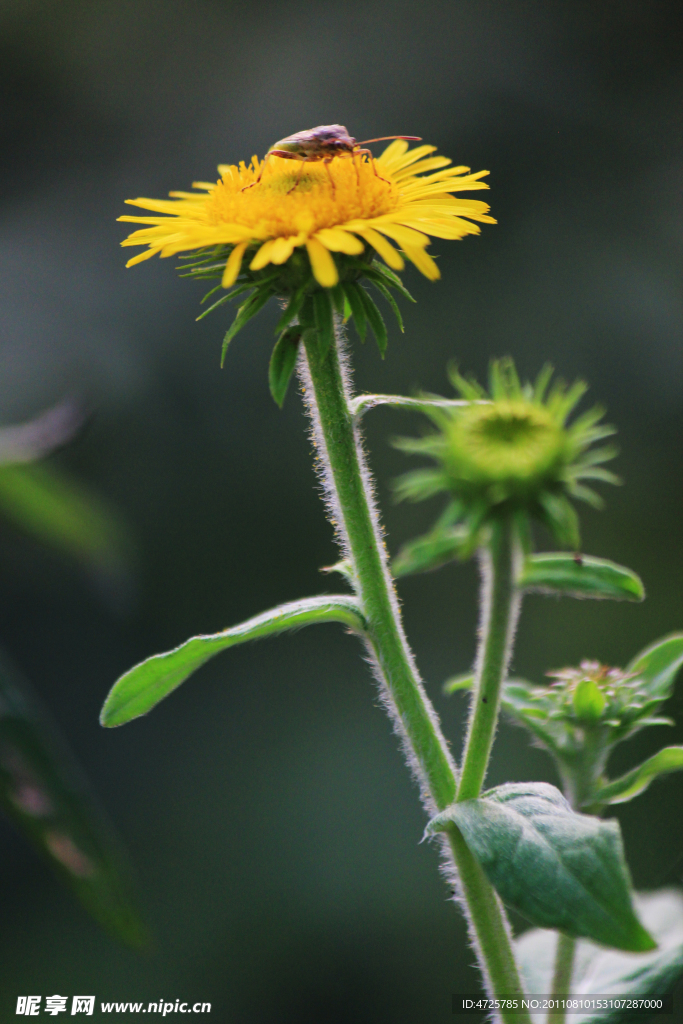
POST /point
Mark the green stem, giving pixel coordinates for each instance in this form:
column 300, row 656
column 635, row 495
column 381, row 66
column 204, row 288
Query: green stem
column 350, row 495
column 562, row 975
column 500, row 604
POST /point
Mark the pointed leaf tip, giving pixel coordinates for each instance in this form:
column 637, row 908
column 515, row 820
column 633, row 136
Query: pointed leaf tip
column 557, row 868
column 575, row 575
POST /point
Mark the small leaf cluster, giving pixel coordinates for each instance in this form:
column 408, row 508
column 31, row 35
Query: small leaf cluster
column 308, row 306
column 509, row 452
column 586, row 711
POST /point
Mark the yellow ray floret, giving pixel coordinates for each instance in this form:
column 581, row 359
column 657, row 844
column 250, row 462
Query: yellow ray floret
column 393, row 203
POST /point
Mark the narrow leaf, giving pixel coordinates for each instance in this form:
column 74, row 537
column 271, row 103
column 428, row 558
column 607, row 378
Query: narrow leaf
column 599, row 971
column 142, row 687
column 324, row 320
column 580, row 576
column 392, row 279
column 561, row 519
column 353, row 294
column 293, row 307
column 658, row 665
column 465, row 682
column 557, row 868
column 428, row 552
column 383, row 290
column 376, row 321
column 247, row 310
column 282, row 363
column 46, row 796
column 670, row 759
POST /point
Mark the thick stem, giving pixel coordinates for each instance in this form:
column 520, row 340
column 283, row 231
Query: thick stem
column 500, row 611
column 562, row 975
column 350, row 496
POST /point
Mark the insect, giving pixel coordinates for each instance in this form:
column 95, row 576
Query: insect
column 578, row 558
column 323, row 143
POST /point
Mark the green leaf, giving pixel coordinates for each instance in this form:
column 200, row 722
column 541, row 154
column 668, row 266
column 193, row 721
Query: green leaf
column 246, row 311
column 142, row 687
column 353, row 294
column 282, row 363
column 64, row 514
column 600, row 971
column 658, row 665
column 669, row 759
column 375, row 320
column 324, row 320
column 46, row 796
column 557, row 868
column 580, row 576
column 428, row 552
column 455, row 683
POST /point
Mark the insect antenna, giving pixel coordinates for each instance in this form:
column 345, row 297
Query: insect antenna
column 387, row 138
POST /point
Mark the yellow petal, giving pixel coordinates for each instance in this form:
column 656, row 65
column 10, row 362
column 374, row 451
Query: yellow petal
column 324, row 267
column 340, row 241
column 262, row 257
column 142, row 256
column 402, row 235
column 423, row 261
column 392, row 258
column 233, row 266
column 282, row 249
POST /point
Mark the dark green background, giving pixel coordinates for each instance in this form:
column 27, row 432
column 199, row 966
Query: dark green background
column 272, row 823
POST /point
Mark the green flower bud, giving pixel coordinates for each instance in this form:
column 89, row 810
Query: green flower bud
column 512, row 452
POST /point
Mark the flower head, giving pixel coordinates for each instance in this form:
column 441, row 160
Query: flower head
column 298, row 228
column 512, row 452
column 264, row 212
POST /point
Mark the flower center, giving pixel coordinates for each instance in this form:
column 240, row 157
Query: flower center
column 510, row 443
column 294, row 196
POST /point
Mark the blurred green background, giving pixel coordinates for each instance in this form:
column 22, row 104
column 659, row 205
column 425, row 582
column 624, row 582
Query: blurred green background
column 272, row 823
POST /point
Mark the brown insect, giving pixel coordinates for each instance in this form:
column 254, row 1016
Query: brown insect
column 324, row 143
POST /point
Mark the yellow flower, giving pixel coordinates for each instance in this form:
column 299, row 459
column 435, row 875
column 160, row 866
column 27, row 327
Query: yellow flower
column 403, row 197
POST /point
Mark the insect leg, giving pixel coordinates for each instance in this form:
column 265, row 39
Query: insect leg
column 326, row 162
column 260, row 174
column 372, row 161
column 298, row 177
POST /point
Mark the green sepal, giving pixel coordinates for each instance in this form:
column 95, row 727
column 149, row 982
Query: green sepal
column 375, row 320
column 558, row 869
column 383, row 290
column 635, row 782
column 338, row 300
column 246, row 311
column 381, row 270
column 589, row 701
column 580, row 576
column 455, row 683
column 144, row 685
column 598, row 970
column 658, row 666
column 324, row 320
column 282, row 363
column 292, row 309
column 353, row 294
column 559, row 515
column 429, row 552
column 44, row 793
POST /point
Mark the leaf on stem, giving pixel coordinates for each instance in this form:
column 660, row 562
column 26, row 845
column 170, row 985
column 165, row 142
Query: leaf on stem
column 600, row 971
column 455, row 683
column 658, row 665
column 142, row 687
column 669, row 759
column 282, row 363
column 429, row 552
column 557, row 868
column 580, row 576
column 43, row 792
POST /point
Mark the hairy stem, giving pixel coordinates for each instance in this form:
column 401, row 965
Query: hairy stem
column 350, row 497
column 500, row 611
column 562, row 975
